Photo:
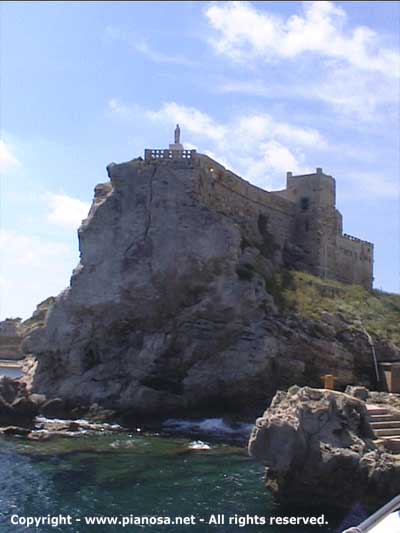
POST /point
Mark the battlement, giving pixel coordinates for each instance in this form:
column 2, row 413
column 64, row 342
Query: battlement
column 356, row 239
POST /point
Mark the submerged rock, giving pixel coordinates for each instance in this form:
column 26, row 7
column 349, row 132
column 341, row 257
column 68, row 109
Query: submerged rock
column 317, row 446
column 14, row 430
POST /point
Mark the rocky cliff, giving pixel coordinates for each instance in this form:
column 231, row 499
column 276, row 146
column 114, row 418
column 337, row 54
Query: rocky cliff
column 318, row 447
column 175, row 307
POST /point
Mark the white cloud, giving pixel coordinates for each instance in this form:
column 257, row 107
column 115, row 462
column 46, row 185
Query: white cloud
column 375, row 184
column 255, row 146
column 279, row 158
column 120, row 110
column 243, row 130
column 159, row 57
column 193, row 120
column 355, row 93
column 66, row 211
column 245, row 33
column 42, row 267
column 360, row 95
column 256, row 127
column 255, row 87
column 142, row 46
column 313, row 56
column 7, row 158
column 29, row 251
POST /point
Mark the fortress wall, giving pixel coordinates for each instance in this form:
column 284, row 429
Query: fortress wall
column 10, row 348
column 10, row 339
column 10, row 327
column 354, row 261
column 226, row 192
column 302, row 219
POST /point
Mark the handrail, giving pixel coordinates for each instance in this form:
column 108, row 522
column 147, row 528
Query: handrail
column 373, row 520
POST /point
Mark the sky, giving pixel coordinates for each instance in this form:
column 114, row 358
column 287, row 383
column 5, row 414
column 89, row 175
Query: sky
column 263, row 87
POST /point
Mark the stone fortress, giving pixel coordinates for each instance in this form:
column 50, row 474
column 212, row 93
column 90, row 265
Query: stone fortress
column 301, row 224
column 10, row 338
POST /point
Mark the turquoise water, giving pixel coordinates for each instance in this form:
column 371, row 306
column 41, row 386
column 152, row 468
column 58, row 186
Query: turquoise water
column 123, row 474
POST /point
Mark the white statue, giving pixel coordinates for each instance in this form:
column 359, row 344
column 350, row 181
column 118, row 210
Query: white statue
column 177, row 134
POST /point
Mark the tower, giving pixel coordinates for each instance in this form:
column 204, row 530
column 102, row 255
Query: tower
column 317, row 222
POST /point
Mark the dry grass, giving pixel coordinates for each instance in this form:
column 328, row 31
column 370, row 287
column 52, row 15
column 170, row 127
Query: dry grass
column 310, row 296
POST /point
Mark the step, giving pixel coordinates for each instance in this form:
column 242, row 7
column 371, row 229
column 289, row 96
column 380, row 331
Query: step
column 387, row 432
column 377, row 410
column 391, row 445
column 384, row 418
column 389, row 424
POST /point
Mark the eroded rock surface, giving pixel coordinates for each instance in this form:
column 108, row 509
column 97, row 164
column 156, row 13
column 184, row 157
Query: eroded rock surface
column 317, row 446
column 171, row 308
column 15, row 404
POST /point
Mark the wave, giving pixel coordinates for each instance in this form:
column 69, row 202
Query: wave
column 213, row 426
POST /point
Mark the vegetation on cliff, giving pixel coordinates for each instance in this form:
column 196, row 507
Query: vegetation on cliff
column 38, row 317
column 309, row 296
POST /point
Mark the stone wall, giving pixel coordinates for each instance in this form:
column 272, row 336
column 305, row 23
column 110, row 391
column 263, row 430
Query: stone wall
column 300, row 225
column 10, row 339
column 318, row 229
column 354, row 261
column 260, row 213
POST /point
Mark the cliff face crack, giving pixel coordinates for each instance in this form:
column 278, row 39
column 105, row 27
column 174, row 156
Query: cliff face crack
column 158, row 276
column 147, row 223
column 149, row 206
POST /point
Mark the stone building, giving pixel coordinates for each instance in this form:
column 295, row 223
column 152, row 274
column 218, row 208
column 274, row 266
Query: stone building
column 10, row 338
column 318, row 230
column 300, row 223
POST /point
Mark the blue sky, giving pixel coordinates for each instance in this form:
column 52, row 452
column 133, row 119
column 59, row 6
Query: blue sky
column 263, row 87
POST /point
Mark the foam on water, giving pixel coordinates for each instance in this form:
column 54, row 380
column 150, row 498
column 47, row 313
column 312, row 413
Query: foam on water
column 199, row 445
column 212, row 426
column 84, row 424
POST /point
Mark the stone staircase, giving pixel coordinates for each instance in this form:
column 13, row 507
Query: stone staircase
column 386, row 426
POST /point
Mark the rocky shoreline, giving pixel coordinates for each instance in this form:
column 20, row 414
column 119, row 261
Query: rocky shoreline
column 37, row 418
column 315, row 443
column 318, row 446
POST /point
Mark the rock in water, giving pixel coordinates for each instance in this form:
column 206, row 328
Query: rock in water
column 15, row 405
column 316, row 445
column 170, row 309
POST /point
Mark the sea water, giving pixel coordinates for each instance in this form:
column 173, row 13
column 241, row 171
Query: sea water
column 134, row 474
column 10, row 372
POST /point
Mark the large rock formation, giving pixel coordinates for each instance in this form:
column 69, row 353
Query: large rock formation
column 15, row 404
column 317, row 446
column 173, row 306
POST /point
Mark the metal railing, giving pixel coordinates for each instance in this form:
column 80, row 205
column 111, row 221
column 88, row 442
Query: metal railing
column 372, row 521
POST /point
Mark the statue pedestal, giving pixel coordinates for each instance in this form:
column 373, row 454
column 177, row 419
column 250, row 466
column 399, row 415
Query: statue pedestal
column 176, row 146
